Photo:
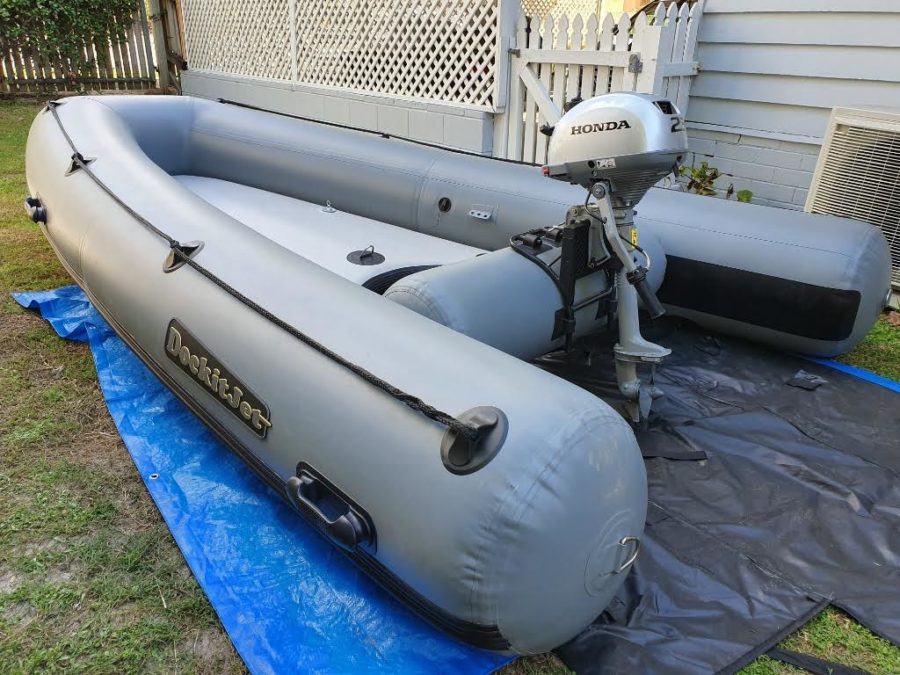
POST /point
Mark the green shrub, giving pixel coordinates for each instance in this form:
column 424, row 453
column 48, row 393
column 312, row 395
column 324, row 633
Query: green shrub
column 57, row 31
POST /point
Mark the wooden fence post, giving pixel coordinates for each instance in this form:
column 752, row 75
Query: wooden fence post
column 507, row 19
column 159, row 44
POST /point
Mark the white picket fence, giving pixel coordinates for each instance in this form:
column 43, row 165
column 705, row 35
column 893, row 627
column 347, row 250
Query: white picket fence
column 556, row 62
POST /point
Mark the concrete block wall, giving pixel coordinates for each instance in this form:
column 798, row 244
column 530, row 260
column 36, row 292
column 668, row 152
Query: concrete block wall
column 778, row 172
column 447, row 124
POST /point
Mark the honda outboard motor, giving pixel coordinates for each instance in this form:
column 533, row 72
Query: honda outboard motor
column 617, row 147
column 578, row 274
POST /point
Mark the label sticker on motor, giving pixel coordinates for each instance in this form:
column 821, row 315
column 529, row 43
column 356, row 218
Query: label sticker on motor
column 634, row 236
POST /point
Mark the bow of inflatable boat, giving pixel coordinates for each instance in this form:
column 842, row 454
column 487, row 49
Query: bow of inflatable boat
column 502, row 503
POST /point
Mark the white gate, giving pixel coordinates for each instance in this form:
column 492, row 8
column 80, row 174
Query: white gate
column 557, row 62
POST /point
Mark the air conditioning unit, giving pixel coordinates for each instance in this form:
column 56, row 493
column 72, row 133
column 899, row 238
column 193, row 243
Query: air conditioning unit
column 858, row 172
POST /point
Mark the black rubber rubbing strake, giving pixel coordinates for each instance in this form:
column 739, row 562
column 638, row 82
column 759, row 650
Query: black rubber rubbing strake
column 409, row 400
column 793, row 307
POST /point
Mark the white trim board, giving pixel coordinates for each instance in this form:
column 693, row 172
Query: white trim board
column 756, row 133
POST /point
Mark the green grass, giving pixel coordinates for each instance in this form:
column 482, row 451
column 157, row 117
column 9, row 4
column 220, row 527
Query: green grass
column 880, row 351
column 90, row 578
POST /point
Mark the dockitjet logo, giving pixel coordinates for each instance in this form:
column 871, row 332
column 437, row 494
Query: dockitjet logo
column 600, row 126
column 194, row 359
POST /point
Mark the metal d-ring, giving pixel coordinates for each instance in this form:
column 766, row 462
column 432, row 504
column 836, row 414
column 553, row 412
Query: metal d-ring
column 625, row 541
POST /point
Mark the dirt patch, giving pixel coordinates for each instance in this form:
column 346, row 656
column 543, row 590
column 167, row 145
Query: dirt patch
column 13, row 325
column 208, row 646
column 99, row 445
column 19, row 612
column 36, row 548
column 61, row 574
column 9, row 581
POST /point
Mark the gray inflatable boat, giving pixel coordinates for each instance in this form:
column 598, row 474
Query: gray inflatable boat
column 346, row 312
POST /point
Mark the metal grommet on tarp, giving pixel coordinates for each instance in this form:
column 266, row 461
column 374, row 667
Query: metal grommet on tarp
column 366, row 256
column 462, row 455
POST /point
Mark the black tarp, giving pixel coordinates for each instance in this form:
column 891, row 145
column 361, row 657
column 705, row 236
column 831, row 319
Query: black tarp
column 774, row 489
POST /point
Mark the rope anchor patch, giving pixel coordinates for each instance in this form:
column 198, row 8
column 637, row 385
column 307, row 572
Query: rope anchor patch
column 185, row 251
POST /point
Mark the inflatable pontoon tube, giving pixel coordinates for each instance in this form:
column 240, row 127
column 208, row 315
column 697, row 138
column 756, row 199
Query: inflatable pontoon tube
column 799, row 282
column 435, row 192
column 508, row 302
column 340, row 399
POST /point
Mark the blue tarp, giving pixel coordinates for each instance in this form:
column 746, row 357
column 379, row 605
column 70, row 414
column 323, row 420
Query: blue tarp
column 289, row 601
column 860, row 373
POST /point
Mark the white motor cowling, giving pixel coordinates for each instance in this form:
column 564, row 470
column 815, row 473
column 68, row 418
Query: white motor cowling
column 631, row 140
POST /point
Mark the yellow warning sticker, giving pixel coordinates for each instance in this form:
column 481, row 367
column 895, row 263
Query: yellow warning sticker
column 634, row 236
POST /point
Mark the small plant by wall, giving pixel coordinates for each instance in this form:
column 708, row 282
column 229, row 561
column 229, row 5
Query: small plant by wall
column 701, row 180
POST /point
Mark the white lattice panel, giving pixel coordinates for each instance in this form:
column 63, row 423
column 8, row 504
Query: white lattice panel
column 569, row 8
column 441, row 50
column 239, row 37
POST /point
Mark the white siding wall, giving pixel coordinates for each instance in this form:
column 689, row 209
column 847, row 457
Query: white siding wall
column 770, row 72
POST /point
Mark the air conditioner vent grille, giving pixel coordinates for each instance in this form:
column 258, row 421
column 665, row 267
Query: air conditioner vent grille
column 860, row 178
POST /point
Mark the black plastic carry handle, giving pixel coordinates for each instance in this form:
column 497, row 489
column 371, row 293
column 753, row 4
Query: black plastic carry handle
column 348, row 530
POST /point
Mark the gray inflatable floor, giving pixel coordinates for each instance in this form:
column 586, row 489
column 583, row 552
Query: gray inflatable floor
column 772, row 495
column 324, row 235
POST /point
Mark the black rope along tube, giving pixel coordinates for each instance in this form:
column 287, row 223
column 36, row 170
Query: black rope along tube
column 413, row 402
column 405, row 139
